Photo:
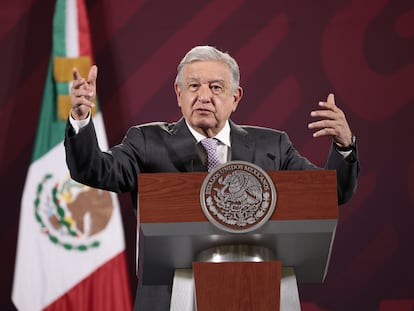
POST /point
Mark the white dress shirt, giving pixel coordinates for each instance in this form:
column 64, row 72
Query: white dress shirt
column 223, row 138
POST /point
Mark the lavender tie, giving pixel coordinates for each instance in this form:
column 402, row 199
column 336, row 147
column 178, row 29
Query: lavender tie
column 210, row 144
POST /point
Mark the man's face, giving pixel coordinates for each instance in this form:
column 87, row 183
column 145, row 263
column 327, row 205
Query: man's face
column 206, row 96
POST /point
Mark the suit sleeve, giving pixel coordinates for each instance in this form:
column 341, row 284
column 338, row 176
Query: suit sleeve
column 114, row 170
column 347, row 171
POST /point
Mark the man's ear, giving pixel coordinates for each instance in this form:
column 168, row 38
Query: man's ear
column 238, row 94
column 177, row 93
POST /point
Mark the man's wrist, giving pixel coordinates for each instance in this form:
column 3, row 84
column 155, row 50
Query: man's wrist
column 76, row 117
column 78, row 124
column 347, row 148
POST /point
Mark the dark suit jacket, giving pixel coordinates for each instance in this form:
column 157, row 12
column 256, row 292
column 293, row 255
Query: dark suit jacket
column 170, row 147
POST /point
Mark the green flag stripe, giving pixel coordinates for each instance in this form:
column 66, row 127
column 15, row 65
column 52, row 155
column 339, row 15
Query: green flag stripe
column 50, row 130
column 59, row 29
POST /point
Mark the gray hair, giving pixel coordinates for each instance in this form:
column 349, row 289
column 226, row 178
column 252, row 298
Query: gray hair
column 209, row 53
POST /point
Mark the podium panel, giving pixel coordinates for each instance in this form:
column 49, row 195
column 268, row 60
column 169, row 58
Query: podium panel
column 237, row 286
column 174, row 229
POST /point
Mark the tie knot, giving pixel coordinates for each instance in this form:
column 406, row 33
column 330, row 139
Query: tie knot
column 210, row 145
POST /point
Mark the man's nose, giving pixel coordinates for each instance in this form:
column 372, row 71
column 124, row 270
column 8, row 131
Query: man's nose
column 204, row 94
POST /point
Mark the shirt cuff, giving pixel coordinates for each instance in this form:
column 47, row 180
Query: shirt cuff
column 345, row 153
column 78, row 124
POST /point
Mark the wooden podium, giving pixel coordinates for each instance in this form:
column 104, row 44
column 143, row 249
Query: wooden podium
column 175, row 230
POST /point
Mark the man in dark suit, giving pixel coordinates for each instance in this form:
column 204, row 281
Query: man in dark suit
column 208, row 91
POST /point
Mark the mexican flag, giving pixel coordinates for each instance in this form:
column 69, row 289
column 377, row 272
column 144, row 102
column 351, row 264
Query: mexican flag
column 71, row 249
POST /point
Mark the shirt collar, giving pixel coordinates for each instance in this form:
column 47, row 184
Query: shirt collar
column 223, row 136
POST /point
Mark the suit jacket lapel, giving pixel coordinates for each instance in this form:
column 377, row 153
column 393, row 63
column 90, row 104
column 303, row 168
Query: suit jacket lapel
column 242, row 146
column 184, row 148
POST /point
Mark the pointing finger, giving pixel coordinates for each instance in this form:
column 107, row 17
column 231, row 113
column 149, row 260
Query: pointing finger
column 75, row 74
column 93, row 73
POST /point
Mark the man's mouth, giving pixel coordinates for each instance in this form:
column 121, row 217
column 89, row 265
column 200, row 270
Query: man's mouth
column 201, row 110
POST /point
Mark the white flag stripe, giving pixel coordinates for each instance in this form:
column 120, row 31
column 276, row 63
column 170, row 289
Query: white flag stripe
column 71, row 27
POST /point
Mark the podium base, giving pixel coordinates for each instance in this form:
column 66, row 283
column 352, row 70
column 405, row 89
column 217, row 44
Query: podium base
column 182, row 297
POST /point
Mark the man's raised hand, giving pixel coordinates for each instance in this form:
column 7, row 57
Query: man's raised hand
column 83, row 93
column 332, row 122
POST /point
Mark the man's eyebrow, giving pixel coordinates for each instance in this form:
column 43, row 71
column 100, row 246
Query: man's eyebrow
column 222, row 81
column 192, row 79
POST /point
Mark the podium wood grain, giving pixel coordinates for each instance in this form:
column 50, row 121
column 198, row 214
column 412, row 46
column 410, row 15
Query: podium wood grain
column 237, row 286
column 295, row 190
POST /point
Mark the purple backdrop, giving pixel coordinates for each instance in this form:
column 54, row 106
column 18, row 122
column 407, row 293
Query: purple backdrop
column 291, row 54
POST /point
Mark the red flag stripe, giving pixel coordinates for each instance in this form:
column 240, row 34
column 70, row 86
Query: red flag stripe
column 85, row 48
column 93, row 293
